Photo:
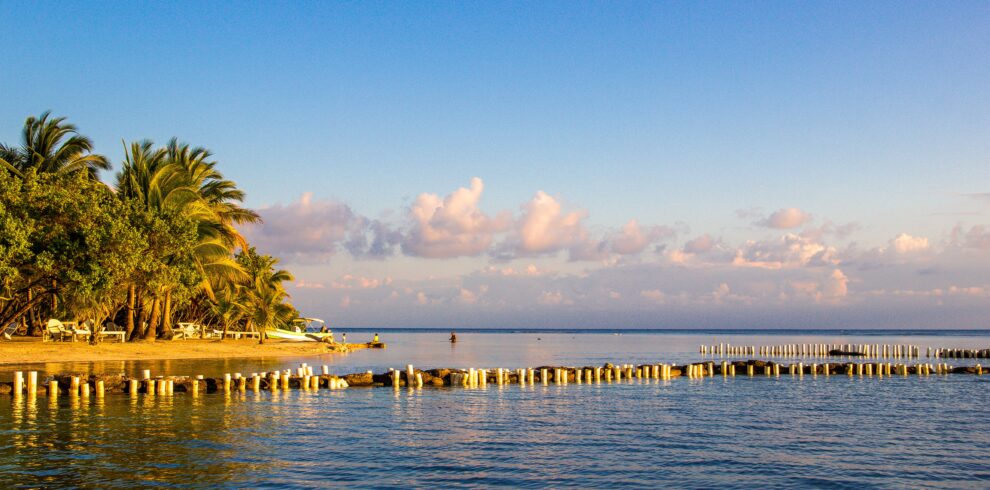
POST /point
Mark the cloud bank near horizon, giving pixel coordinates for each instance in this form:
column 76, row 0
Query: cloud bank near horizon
column 795, row 273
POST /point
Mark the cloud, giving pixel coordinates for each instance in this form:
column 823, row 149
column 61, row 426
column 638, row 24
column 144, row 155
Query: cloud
column 453, row 226
column 977, row 237
column 700, row 244
column 905, row 244
column 348, row 281
column 789, row 250
column 306, row 229
column 632, row 239
column 545, row 228
column 784, row 219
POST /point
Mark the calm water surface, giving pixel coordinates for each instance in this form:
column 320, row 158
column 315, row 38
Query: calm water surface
column 829, row 432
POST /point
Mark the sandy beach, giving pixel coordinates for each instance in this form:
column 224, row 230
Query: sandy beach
column 22, row 350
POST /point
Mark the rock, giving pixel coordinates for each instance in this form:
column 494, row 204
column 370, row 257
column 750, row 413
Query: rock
column 360, row 379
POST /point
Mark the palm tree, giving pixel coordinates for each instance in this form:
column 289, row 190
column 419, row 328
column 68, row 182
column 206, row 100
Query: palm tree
column 50, row 145
column 265, row 296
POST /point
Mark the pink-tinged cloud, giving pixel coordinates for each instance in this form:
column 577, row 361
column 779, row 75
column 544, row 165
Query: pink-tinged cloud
column 453, row 226
column 348, row 281
column 977, row 237
column 307, row 228
column 632, row 239
column 783, row 219
column 700, row 244
column 786, row 251
column 544, row 227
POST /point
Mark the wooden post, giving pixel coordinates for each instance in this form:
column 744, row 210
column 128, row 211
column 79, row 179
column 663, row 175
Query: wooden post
column 608, row 375
column 750, row 370
column 395, row 377
column 531, row 374
column 326, row 370
column 305, row 382
column 544, row 377
column 132, row 387
column 74, row 385
column 483, row 377
column 18, row 383
column 99, row 388
column 273, row 381
column 285, row 381
column 498, row 375
column 598, row 375
column 979, row 370
column 53, row 389
column 85, row 390
column 226, row 382
column 578, row 374
column 32, row 383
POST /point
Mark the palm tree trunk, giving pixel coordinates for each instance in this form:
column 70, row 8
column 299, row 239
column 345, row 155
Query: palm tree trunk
column 153, row 320
column 131, row 297
column 166, row 326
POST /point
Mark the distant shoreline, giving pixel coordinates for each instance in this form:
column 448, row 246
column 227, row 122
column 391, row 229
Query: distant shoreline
column 686, row 331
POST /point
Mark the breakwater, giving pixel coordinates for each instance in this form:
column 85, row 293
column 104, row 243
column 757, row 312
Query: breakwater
column 869, row 351
column 304, row 378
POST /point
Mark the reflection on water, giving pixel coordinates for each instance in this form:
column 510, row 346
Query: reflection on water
column 813, row 431
column 743, row 432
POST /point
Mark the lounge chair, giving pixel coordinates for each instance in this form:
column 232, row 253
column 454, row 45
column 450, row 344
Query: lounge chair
column 185, row 331
column 111, row 329
column 56, row 331
column 7, row 332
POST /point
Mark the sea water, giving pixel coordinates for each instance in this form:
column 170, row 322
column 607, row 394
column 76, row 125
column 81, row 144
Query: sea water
column 814, row 431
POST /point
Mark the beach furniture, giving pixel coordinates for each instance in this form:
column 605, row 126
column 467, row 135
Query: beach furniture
column 9, row 331
column 186, row 330
column 116, row 331
column 78, row 332
column 56, row 331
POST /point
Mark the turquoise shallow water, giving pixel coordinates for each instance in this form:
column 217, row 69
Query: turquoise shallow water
column 829, row 432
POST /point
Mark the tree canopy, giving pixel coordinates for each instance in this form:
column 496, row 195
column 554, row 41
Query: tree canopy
column 160, row 246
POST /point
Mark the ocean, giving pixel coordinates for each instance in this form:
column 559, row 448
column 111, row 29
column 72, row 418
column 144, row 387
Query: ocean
column 779, row 432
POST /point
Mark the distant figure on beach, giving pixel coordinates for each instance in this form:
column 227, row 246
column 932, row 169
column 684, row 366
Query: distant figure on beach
column 324, row 329
column 453, row 337
column 375, row 340
column 343, row 338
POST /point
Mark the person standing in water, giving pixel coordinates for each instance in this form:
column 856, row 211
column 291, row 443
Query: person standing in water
column 453, row 337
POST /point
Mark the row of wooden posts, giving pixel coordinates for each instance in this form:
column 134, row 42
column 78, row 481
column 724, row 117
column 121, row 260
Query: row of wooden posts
column 303, row 377
column 876, row 351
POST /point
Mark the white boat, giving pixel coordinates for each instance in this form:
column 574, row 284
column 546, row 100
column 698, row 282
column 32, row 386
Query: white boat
column 302, row 330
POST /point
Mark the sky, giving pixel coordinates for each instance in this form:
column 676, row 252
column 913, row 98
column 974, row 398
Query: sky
column 562, row 164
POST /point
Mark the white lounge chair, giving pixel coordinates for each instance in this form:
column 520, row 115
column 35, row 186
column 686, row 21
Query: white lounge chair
column 56, row 331
column 117, row 331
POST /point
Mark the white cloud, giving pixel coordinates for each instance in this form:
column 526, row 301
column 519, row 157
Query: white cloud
column 453, row 226
column 784, row 219
column 905, row 243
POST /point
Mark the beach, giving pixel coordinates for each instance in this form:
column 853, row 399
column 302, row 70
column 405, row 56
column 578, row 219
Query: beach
column 31, row 350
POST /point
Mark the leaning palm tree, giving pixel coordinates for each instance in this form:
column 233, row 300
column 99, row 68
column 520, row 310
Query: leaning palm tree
column 50, row 145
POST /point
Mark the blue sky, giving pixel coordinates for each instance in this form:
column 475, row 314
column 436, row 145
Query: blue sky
column 862, row 122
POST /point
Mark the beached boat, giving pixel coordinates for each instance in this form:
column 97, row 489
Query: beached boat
column 302, row 330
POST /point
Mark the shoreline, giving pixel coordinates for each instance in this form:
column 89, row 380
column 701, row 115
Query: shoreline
column 34, row 351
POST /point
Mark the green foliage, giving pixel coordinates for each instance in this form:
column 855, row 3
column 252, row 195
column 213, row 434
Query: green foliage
column 65, row 235
column 162, row 241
